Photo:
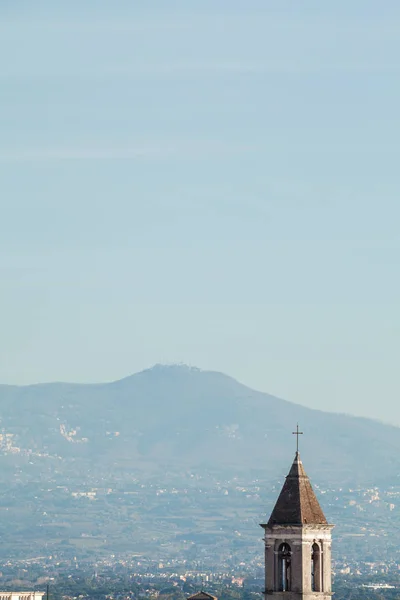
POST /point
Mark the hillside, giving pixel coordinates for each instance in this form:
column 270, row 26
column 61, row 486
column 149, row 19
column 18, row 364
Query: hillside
column 180, row 416
column 177, row 463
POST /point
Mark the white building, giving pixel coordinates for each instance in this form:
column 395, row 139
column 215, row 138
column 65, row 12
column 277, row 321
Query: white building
column 22, row 595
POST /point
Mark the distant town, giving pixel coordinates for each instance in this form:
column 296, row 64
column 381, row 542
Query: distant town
column 196, row 530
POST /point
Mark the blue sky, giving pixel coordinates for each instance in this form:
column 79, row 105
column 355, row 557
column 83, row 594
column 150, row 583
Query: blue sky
column 214, row 183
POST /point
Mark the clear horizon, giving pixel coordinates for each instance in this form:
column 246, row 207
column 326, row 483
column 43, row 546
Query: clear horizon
column 200, row 185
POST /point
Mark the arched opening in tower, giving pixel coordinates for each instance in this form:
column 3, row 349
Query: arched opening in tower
column 284, row 568
column 316, row 570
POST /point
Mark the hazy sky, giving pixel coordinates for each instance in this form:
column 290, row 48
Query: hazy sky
column 214, row 182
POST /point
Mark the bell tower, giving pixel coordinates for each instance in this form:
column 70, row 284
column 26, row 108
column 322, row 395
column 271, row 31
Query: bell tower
column 297, row 542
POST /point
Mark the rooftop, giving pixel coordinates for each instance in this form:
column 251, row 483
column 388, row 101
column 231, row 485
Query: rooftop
column 297, row 503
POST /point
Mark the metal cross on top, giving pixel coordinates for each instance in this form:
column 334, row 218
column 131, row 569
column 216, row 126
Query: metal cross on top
column 297, row 433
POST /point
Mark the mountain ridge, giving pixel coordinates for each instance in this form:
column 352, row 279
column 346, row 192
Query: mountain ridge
column 154, row 454
column 152, row 415
column 180, row 368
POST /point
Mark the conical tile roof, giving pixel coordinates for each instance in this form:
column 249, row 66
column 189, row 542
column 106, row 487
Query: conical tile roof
column 202, row 596
column 297, row 503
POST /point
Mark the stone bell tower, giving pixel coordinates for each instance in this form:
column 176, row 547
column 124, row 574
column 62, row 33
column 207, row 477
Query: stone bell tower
column 297, row 542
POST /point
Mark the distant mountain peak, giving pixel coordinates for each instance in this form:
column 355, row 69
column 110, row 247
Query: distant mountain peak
column 171, row 367
column 182, row 415
column 161, row 371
